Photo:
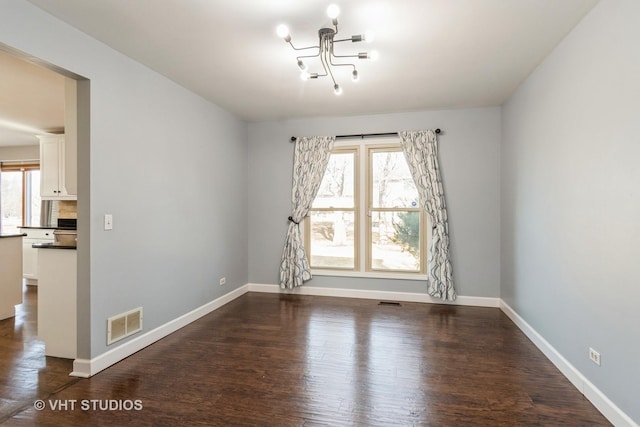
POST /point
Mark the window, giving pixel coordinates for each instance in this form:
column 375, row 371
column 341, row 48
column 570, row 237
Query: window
column 19, row 196
column 367, row 218
column 332, row 225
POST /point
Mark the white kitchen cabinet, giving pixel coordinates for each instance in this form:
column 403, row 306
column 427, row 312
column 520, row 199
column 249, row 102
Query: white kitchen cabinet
column 53, row 176
column 29, row 254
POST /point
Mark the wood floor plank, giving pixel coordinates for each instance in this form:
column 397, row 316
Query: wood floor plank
column 25, row 373
column 285, row 360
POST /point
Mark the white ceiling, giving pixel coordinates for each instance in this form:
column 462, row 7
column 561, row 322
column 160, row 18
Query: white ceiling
column 434, row 54
column 31, row 101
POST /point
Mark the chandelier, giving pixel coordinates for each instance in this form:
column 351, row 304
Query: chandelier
column 325, row 51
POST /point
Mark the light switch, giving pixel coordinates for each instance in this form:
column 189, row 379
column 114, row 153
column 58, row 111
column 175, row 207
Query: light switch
column 108, row 222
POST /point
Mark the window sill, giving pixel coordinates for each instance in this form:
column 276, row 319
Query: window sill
column 370, row 274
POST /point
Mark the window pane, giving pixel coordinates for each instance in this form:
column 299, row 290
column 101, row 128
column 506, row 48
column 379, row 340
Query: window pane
column 395, row 241
column 32, row 195
column 332, row 239
column 337, row 188
column 392, row 184
column 10, row 201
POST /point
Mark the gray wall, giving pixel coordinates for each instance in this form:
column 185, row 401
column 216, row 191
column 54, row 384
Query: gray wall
column 469, row 154
column 571, row 199
column 170, row 167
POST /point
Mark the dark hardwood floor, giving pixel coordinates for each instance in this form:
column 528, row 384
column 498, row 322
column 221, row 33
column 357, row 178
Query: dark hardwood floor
column 278, row 360
column 25, row 373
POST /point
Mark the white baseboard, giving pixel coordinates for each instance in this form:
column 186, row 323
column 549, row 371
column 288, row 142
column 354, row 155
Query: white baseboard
column 370, row 294
column 85, row 368
column 609, row 409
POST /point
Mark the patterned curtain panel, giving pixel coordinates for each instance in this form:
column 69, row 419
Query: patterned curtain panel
column 421, row 151
column 310, row 161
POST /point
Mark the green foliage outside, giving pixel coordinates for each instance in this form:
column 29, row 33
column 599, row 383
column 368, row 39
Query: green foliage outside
column 407, row 232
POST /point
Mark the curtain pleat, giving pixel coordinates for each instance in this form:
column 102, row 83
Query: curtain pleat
column 421, row 151
column 310, row 160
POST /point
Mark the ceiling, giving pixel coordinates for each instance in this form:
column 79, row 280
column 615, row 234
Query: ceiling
column 31, row 101
column 433, row 54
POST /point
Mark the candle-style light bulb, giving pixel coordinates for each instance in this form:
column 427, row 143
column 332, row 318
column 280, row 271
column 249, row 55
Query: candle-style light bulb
column 283, row 31
column 333, row 11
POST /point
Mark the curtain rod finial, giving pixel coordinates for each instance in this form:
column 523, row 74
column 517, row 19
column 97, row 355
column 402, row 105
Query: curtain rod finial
column 293, row 139
column 438, row 130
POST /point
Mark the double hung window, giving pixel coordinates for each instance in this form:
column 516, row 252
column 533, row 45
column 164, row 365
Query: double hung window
column 367, row 219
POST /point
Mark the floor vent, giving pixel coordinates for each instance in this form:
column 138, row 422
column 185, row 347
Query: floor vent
column 390, row 303
column 124, row 325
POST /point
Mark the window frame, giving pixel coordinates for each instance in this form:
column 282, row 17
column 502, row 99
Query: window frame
column 362, row 238
column 24, row 168
column 389, row 148
column 355, row 210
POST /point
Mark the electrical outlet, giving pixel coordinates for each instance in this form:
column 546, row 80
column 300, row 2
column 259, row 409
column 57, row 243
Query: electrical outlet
column 594, row 356
column 223, row 280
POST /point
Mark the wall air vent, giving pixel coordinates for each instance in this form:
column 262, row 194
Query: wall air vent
column 123, row 325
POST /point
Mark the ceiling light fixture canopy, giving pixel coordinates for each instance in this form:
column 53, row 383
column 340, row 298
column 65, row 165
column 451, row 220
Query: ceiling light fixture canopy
column 325, row 51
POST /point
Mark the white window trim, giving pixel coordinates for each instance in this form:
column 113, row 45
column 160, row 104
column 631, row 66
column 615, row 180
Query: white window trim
column 370, row 274
column 362, row 158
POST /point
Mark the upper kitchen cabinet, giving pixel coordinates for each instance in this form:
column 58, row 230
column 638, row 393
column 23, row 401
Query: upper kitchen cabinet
column 54, row 179
column 58, row 153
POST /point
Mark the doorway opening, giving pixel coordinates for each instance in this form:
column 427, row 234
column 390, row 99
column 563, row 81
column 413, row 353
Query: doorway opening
column 61, row 110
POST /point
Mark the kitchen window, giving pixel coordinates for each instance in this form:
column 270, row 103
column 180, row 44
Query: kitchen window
column 366, row 219
column 19, row 195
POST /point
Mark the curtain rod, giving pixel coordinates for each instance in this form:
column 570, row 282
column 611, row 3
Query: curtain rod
column 363, row 135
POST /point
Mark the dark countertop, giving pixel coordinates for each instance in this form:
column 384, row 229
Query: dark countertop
column 52, row 246
column 35, row 226
column 2, row 236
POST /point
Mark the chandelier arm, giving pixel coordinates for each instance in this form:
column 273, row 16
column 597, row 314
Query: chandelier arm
column 303, row 48
column 309, row 56
column 331, row 54
column 325, row 51
column 332, row 78
column 340, row 65
column 343, row 65
column 329, row 51
column 344, row 56
column 326, row 66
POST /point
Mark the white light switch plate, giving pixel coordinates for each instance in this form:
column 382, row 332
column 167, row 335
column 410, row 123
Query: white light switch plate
column 108, row 222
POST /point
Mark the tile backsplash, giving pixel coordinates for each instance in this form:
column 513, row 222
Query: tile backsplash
column 67, row 209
